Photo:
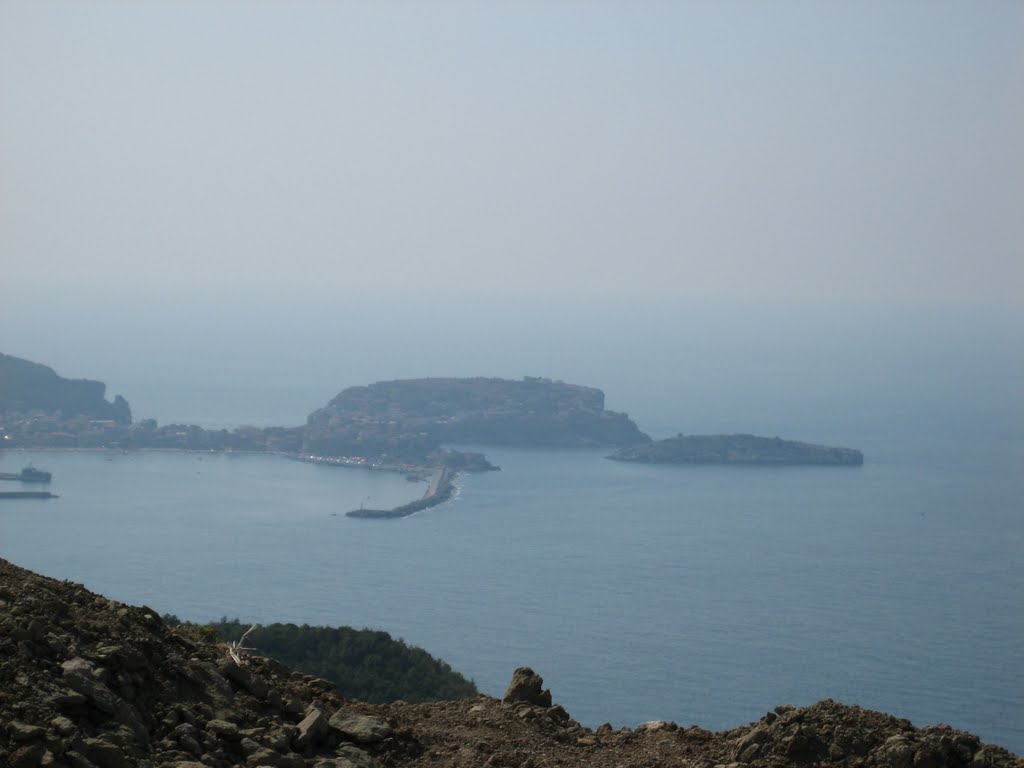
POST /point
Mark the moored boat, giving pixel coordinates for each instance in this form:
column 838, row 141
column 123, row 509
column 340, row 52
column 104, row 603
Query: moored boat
column 28, row 475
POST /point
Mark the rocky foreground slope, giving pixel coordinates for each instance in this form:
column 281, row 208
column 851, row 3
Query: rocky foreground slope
column 86, row 681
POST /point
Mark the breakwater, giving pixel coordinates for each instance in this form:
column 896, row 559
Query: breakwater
column 442, row 485
column 27, row 495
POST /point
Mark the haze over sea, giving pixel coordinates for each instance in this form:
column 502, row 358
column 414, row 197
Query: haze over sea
column 788, row 218
column 700, row 594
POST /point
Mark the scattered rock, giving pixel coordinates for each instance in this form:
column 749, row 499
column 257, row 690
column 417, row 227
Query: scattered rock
column 244, row 677
column 527, row 687
column 22, row 732
column 362, row 729
column 104, row 754
column 350, row 755
column 223, row 729
column 87, row 682
column 558, row 714
column 269, row 757
column 26, row 757
column 657, row 725
column 312, row 730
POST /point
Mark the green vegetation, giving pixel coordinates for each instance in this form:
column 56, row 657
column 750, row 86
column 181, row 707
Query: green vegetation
column 368, row 665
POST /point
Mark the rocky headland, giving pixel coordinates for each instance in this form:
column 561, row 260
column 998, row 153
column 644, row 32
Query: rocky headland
column 89, row 682
column 415, row 417
column 738, row 449
column 27, row 387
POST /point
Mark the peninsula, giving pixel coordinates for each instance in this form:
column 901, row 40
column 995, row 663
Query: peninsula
column 393, row 425
column 27, row 387
column 738, row 449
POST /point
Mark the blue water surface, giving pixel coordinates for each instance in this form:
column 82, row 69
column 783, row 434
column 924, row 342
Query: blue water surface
column 700, row 594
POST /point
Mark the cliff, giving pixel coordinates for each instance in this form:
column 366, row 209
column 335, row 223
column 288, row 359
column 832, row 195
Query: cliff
column 414, row 417
column 26, row 387
column 738, row 449
column 87, row 682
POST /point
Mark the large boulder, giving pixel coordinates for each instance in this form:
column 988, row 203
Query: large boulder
column 527, row 687
column 361, row 729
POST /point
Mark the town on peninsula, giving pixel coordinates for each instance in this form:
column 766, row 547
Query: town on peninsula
column 406, row 426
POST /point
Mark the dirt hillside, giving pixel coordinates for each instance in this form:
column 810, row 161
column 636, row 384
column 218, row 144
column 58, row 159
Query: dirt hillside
column 86, row 681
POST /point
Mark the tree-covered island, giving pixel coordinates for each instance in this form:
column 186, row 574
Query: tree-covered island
column 738, row 449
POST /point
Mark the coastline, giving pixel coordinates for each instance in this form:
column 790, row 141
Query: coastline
column 441, row 488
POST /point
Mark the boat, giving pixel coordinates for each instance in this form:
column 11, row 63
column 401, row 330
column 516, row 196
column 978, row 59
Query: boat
column 33, row 475
column 28, row 475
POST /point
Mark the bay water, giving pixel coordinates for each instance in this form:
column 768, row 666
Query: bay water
column 698, row 594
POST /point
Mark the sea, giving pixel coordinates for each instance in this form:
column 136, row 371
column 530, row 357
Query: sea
column 700, row 594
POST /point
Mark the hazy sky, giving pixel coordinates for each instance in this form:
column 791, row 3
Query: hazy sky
column 777, row 150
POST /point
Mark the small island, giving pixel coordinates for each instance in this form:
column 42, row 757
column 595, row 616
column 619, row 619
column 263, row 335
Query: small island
column 739, row 449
